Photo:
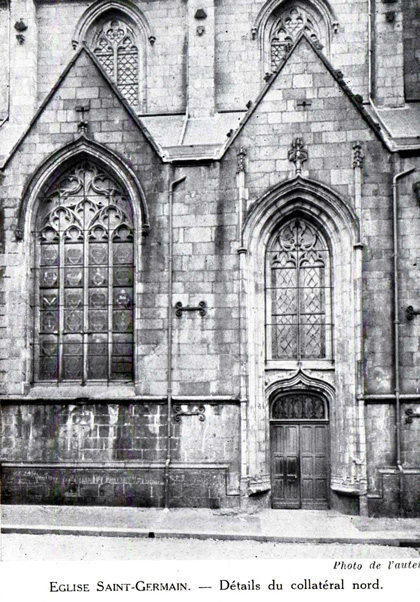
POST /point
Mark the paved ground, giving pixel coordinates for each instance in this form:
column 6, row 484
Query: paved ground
column 68, row 547
column 281, row 526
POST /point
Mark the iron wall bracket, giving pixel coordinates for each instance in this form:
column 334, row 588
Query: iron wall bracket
column 196, row 411
column 410, row 415
column 201, row 308
column 410, row 312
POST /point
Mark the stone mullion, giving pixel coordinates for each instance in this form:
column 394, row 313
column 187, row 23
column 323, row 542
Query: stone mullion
column 298, row 273
column 85, row 320
column 110, row 298
column 36, row 336
column 115, row 60
column 61, row 275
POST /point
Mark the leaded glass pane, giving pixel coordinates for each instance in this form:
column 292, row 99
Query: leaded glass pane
column 123, row 321
column 98, row 276
column 49, row 254
column 297, row 292
column 73, row 297
column 123, row 276
column 98, row 254
column 49, row 277
column 48, row 299
column 73, row 320
column 48, row 366
column 72, row 368
column 73, row 254
column 73, row 277
column 123, row 253
column 299, row 406
column 86, row 302
column 49, row 321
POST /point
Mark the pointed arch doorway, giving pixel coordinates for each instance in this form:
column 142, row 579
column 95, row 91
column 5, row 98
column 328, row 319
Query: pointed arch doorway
column 299, row 435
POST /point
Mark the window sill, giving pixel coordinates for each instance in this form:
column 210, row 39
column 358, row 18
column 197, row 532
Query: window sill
column 327, row 365
column 89, row 392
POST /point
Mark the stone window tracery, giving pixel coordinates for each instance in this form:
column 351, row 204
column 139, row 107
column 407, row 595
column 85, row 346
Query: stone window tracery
column 285, row 31
column 84, row 279
column 298, row 293
column 116, row 49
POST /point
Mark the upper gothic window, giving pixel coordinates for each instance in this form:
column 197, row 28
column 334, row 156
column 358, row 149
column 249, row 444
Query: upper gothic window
column 116, row 49
column 285, row 30
column 298, row 294
column 84, row 278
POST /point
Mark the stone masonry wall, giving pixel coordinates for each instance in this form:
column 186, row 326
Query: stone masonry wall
column 114, row 454
column 123, row 441
column 239, row 72
column 4, row 52
column 411, row 37
column 327, row 127
column 238, row 68
column 165, row 58
column 388, row 53
column 204, row 231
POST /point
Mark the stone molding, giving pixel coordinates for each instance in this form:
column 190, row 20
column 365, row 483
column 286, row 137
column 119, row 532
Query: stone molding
column 99, row 8
column 323, row 7
column 302, row 381
column 336, row 219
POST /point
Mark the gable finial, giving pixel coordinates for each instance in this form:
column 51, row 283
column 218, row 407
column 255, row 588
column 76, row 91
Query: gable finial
column 298, row 154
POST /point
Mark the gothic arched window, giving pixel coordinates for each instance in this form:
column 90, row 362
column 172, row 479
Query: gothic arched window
column 116, row 49
column 298, row 293
column 84, row 278
column 285, row 30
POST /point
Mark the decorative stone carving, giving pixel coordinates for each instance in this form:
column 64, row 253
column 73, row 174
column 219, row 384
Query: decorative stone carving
column 241, row 160
column 83, row 123
column 298, row 154
column 358, row 155
column 200, row 14
column 20, row 27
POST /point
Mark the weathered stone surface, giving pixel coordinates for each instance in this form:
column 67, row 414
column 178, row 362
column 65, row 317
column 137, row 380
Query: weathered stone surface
column 93, row 443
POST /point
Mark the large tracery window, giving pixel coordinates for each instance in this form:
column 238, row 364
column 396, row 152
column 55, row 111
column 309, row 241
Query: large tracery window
column 298, row 294
column 285, row 31
column 84, row 278
column 116, row 49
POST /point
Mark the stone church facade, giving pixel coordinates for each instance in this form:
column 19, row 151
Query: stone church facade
column 210, row 253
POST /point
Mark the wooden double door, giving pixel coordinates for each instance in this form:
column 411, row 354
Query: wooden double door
column 300, row 464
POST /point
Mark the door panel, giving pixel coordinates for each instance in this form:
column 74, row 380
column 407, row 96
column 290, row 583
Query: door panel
column 285, row 466
column 299, row 465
